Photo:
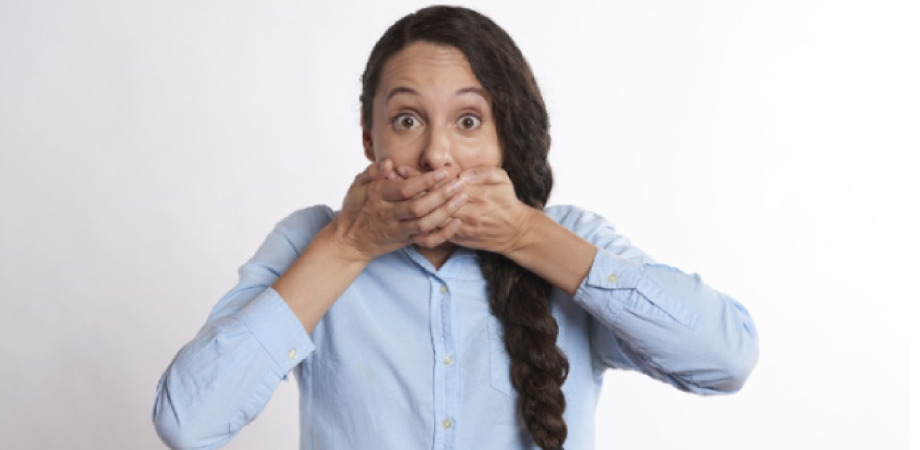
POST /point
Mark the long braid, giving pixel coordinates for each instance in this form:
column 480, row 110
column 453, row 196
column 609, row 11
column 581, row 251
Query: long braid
column 518, row 298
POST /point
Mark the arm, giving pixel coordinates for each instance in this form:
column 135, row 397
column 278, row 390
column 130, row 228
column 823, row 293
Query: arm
column 647, row 316
column 257, row 333
column 224, row 377
column 537, row 250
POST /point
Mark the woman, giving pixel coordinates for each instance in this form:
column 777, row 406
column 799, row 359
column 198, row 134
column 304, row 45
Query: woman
column 443, row 306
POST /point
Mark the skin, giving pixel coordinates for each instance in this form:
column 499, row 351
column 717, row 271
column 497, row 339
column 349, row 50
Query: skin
column 435, row 182
column 431, row 113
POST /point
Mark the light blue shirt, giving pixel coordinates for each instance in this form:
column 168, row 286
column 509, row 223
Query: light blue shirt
column 411, row 357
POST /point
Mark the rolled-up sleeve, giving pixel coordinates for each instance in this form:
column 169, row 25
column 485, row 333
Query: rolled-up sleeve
column 659, row 320
column 223, row 378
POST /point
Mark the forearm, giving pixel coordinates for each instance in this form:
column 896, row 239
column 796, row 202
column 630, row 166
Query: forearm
column 318, row 278
column 651, row 317
column 669, row 324
column 224, row 377
column 554, row 253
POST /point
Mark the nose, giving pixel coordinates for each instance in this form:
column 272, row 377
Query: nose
column 437, row 151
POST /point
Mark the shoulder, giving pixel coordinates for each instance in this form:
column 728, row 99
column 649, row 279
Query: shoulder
column 300, row 226
column 581, row 221
column 316, row 216
column 596, row 229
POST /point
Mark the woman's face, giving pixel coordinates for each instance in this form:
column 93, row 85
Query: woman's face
column 431, row 112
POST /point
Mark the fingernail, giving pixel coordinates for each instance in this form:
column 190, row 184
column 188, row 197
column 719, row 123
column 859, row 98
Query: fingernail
column 454, row 187
column 382, row 165
column 459, row 200
column 440, row 175
column 403, row 171
column 468, row 176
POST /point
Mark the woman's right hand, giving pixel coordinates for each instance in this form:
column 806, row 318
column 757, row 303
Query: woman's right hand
column 383, row 212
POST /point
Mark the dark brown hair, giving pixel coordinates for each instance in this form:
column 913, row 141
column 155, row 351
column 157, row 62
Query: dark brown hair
column 518, row 298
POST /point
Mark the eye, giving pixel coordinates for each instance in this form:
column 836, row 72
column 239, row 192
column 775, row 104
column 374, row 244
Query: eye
column 469, row 122
column 405, row 122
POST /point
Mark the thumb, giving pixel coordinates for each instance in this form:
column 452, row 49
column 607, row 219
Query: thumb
column 376, row 171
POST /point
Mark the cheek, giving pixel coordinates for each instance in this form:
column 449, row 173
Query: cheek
column 402, row 150
column 495, row 156
column 484, row 154
column 491, row 152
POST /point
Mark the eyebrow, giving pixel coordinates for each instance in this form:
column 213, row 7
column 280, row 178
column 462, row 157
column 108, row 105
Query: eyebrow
column 407, row 90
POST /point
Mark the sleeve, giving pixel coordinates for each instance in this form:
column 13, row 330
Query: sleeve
column 659, row 320
column 224, row 377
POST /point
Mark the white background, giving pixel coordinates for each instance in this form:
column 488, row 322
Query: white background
column 148, row 147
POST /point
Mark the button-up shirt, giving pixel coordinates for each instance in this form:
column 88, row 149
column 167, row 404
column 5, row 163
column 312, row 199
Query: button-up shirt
column 411, row 357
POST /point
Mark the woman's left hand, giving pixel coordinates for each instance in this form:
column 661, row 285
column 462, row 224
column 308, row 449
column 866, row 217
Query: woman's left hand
column 493, row 218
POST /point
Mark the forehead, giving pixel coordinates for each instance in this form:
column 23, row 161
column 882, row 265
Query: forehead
column 423, row 65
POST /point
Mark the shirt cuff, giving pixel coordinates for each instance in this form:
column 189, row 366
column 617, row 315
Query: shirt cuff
column 607, row 273
column 615, row 284
column 277, row 329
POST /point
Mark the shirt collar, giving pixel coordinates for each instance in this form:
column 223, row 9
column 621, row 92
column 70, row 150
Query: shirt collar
column 463, row 263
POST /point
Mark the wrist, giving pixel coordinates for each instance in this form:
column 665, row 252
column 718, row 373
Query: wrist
column 344, row 247
column 528, row 232
column 554, row 253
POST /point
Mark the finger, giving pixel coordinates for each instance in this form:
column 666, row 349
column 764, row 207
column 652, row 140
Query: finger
column 384, row 169
column 375, row 171
column 427, row 202
column 398, row 190
column 407, row 172
column 484, row 175
column 436, row 218
column 437, row 237
column 365, row 176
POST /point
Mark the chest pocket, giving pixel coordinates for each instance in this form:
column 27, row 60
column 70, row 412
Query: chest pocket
column 499, row 362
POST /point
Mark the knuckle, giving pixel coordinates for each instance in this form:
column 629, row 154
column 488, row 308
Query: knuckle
column 411, row 227
column 405, row 191
column 423, row 226
column 431, row 240
column 454, row 205
column 416, row 209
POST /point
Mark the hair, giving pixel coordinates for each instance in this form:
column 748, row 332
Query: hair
column 517, row 297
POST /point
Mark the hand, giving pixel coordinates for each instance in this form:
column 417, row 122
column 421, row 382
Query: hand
column 383, row 212
column 493, row 218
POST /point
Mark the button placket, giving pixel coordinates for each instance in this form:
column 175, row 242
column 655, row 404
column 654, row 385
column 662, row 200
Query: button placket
column 446, row 377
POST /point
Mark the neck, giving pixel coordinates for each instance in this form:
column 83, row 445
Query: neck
column 437, row 256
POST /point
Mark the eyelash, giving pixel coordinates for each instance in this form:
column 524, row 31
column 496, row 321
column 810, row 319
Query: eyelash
column 474, row 116
column 397, row 118
column 400, row 116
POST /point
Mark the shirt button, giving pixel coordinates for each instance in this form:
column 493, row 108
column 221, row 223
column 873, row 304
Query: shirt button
column 443, row 288
column 448, row 360
column 612, row 278
column 446, row 424
column 292, row 354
